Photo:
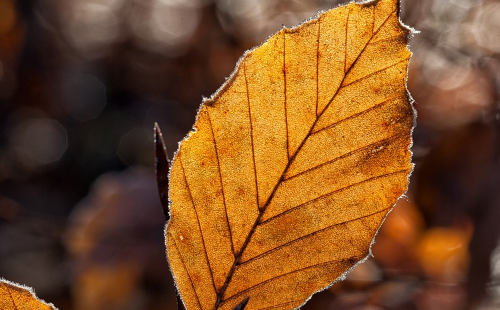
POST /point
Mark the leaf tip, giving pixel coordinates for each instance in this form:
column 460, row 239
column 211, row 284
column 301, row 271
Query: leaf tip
column 242, row 304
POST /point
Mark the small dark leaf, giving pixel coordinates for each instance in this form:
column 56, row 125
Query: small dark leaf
column 162, row 165
column 242, row 304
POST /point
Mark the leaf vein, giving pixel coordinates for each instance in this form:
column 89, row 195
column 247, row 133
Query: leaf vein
column 268, row 252
column 251, row 135
column 187, row 271
column 221, row 185
column 375, row 72
column 285, row 97
column 333, row 192
column 288, row 273
column 317, row 65
column 376, row 106
column 199, row 225
column 283, row 304
column 345, row 44
column 353, row 64
column 10, row 295
column 398, row 135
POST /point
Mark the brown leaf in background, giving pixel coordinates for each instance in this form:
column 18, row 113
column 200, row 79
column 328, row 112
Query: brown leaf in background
column 18, row 297
column 294, row 163
column 115, row 240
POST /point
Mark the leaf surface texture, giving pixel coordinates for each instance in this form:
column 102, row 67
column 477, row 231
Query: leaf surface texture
column 17, row 297
column 294, row 163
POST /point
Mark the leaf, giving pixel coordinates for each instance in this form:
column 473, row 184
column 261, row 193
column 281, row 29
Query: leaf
column 242, row 305
column 293, row 163
column 18, row 297
column 162, row 166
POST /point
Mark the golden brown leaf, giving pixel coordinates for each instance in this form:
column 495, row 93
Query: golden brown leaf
column 17, row 297
column 294, row 163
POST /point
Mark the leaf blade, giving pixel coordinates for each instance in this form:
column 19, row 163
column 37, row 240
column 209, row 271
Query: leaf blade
column 267, row 166
column 162, row 166
column 18, row 297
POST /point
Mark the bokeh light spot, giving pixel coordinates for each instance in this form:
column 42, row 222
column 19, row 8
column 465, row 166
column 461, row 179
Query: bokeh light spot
column 92, row 27
column 486, row 27
column 170, row 26
column 86, row 97
column 135, row 147
column 45, row 140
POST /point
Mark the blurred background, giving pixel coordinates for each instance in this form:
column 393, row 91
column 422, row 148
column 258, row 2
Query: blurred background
column 83, row 81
